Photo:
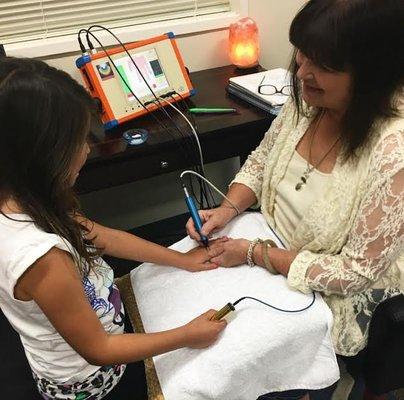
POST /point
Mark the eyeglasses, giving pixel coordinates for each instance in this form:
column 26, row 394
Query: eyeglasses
column 268, row 89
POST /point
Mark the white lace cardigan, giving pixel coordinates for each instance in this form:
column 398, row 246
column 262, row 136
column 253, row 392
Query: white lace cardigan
column 351, row 240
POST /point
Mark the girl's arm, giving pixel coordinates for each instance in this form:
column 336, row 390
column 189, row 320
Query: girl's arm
column 121, row 244
column 54, row 284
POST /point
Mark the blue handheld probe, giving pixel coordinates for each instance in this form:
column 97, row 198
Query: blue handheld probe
column 195, row 215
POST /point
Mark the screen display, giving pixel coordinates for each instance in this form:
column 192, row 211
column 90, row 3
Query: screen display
column 149, row 64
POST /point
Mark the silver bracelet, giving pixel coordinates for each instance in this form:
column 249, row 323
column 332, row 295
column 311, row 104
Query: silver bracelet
column 250, row 251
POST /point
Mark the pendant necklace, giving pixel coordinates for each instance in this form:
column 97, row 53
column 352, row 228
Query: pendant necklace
column 310, row 168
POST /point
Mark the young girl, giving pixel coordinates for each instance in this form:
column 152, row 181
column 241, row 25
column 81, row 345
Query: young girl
column 55, row 290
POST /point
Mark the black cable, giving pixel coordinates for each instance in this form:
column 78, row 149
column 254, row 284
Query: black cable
column 82, row 47
column 159, row 105
column 186, row 106
column 129, row 55
column 193, row 151
column 185, row 137
column 277, row 308
column 208, row 189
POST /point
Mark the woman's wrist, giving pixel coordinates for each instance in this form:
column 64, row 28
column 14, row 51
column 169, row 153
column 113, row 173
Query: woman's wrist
column 257, row 255
column 231, row 212
column 260, row 258
column 252, row 248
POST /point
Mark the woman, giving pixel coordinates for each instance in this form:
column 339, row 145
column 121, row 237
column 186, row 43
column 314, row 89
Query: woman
column 329, row 173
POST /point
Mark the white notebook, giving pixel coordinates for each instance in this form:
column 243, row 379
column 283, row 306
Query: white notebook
column 248, row 84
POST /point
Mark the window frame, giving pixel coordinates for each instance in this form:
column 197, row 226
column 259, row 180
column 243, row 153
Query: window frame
column 57, row 45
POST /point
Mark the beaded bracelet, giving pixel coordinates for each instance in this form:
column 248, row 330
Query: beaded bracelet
column 250, row 251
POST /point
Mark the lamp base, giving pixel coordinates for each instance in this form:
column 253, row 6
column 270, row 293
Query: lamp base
column 248, row 70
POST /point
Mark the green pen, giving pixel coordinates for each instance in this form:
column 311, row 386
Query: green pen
column 208, row 110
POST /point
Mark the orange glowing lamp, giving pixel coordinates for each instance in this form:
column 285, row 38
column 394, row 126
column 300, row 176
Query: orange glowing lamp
column 244, row 43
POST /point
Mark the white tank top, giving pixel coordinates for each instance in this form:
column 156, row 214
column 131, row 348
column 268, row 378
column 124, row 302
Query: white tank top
column 50, row 357
column 290, row 204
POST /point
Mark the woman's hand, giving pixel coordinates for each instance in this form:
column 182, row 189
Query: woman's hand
column 213, row 220
column 234, row 253
column 199, row 258
column 202, row 332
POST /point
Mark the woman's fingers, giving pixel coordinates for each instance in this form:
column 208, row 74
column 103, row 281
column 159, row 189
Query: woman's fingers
column 209, row 226
column 191, row 231
column 190, row 226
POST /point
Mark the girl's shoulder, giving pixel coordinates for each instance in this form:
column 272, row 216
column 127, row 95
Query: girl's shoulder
column 22, row 243
column 17, row 231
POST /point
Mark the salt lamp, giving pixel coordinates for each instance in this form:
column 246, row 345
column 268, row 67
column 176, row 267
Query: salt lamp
column 244, row 43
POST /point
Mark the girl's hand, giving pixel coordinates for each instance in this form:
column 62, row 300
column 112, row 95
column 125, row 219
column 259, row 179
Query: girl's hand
column 234, row 253
column 201, row 332
column 212, row 221
column 199, row 258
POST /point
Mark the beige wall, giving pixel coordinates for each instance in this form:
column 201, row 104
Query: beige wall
column 160, row 197
column 273, row 18
column 209, row 49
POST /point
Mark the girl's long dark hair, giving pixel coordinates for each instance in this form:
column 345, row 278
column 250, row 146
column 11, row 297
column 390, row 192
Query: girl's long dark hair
column 364, row 37
column 44, row 121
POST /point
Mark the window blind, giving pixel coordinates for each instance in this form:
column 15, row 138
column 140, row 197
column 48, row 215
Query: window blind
column 22, row 20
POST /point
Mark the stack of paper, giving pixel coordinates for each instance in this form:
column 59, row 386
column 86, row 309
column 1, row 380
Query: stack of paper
column 246, row 87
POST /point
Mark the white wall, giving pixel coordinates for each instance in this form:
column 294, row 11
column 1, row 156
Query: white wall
column 146, row 201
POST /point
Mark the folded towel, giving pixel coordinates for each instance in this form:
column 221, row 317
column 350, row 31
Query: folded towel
column 261, row 350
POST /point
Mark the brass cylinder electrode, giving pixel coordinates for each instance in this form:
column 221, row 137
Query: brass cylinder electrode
column 223, row 312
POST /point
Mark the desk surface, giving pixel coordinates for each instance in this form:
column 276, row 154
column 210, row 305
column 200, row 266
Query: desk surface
column 113, row 162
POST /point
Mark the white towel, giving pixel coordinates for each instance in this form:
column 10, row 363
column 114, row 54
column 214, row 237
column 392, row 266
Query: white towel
column 261, row 350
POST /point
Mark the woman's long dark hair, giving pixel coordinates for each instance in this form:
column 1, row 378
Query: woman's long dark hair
column 44, row 121
column 364, row 37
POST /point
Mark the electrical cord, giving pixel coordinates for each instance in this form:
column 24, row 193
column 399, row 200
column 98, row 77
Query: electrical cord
column 274, row 307
column 199, row 169
column 192, row 129
column 159, row 105
column 229, row 307
column 185, row 103
column 194, row 125
column 82, row 47
column 127, row 52
column 208, row 190
column 213, row 186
